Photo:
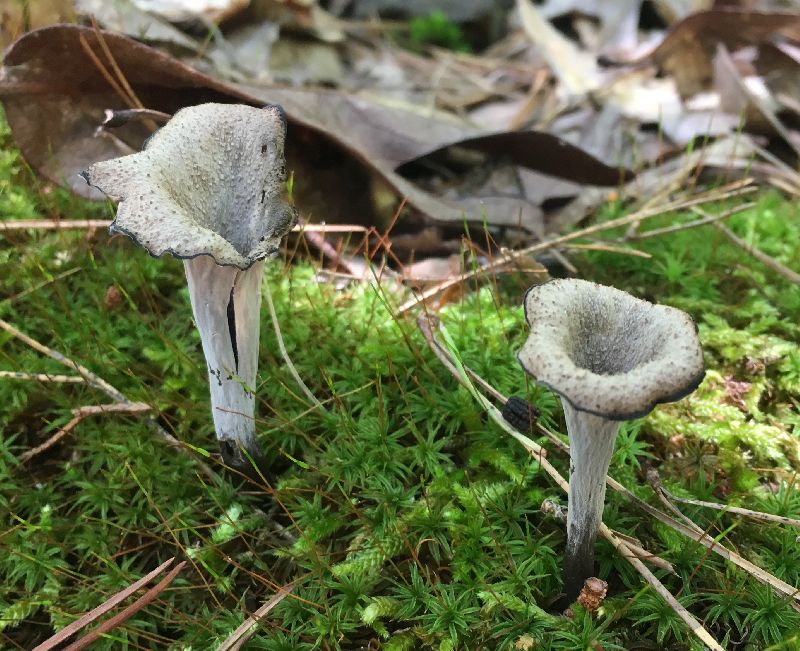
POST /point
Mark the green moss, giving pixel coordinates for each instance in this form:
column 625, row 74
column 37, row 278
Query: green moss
column 706, row 415
column 401, row 514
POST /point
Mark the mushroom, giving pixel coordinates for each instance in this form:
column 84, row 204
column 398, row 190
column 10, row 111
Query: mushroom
column 611, row 357
column 208, row 188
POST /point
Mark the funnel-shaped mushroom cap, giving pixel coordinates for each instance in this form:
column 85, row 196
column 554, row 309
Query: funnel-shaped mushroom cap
column 210, row 182
column 607, row 352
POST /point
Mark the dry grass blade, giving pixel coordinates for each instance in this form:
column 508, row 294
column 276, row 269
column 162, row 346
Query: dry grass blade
column 540, row 455
column 90, row 378
column 245, row 631
column 128, row 612
column 99, row 383
column 42, row 377
column 101, row 610
column 656, row 232
column 655, row 482
column 608, row 248
column 79, row 414
column 35, row 288
column 87, row 49
column 289, row 364
column 769, row 261
column 674, row 509
column 694, row 625
column 53, row 224
column 701, row 537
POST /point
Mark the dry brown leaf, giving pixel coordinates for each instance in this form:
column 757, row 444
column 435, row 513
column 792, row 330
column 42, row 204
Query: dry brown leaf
column 688, row 48
column 55, row 97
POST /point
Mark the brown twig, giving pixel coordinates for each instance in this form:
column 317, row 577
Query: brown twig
column 608, row 248
column 102, row 609
column 40, row 285
column 99, row 383
column 79, row 414
column 245, row 631
column 52, row 224
column 736, row 510
column 656, row 232
column 317, row 238
column 128, row 612
column 42, row 377
column 104, row 72
column 118, row 117
column 655, row 484
column 285, row 354
column 767, row 260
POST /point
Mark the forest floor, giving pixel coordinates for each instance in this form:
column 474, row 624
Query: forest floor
column 402, row 516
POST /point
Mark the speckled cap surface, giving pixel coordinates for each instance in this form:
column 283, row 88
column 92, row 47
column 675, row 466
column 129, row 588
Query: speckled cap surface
column 209, row 182
column 607, row 352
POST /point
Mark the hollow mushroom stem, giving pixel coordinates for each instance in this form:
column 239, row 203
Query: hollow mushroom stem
column 610, row 357
column 591, row 445
column 225, row 303
column 209, row 188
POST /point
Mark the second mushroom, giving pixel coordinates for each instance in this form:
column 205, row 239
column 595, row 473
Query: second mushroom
column 611, row 357
column 208, row 188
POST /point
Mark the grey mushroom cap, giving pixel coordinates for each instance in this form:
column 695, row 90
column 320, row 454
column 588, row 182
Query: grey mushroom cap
column 607, row 352
column 209, row 182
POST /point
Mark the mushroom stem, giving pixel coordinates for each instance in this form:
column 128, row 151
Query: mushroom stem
column 225, row 303
column 591, row 444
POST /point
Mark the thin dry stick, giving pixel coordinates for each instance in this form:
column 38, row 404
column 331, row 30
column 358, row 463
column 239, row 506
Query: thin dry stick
column 42, row 377
column 79, row 414
column 105, row 73
column 644, row 555
column 102, row 609
column 655, row 484
column 123, row 80
column 285, row 354
column 695, row 626
column 708, row 542
column 736, row 510
column 732, row 190
column 656, row 232
column 128, row 612
column 759, row 255
column 40, row 285
column 119, row 117
column 53, row 224
column 609, row 248
column 89, row 377
column 317, row 238
column 99, row 383
column 245, row 631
